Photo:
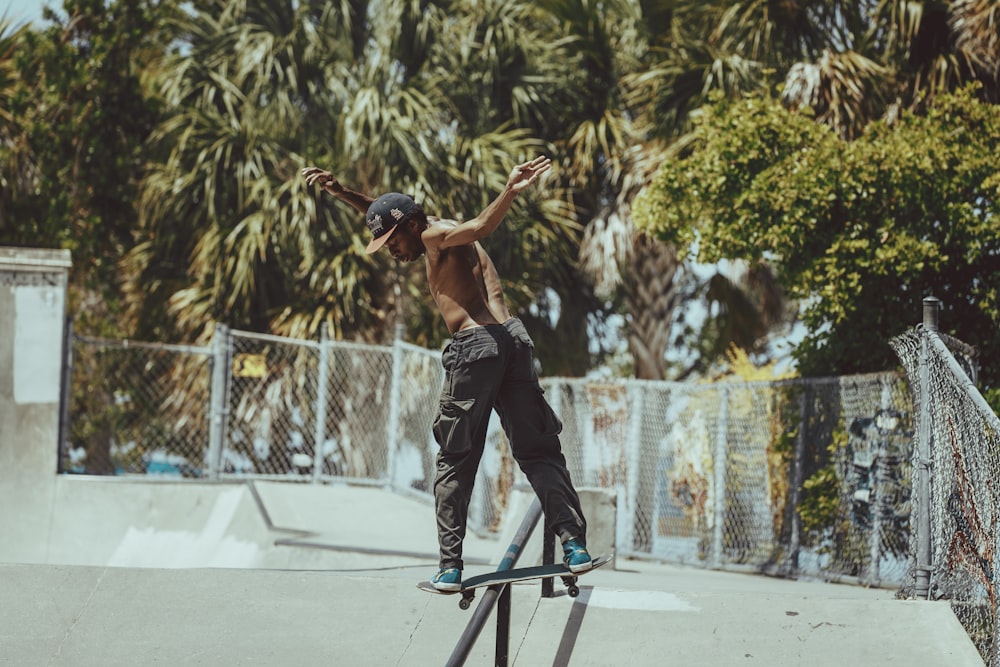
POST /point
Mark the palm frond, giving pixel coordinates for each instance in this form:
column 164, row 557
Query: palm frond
column 975, row 26
column 845, row 90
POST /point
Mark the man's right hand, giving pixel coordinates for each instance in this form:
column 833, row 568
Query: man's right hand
column 525, row 174
column 326, row 180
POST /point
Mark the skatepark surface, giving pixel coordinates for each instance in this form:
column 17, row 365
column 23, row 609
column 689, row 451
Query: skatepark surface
column 138, row 573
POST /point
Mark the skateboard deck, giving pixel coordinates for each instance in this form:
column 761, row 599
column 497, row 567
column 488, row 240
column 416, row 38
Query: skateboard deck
column 470, row 585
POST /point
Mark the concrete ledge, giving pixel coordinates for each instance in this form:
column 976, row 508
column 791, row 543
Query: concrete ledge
column 34, row 259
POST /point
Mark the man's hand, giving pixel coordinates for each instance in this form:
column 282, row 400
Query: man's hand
column 326, row 180
column 329, row 183
column 525, row 174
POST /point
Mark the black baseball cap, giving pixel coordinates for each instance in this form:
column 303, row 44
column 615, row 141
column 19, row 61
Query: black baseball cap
column 384, row 215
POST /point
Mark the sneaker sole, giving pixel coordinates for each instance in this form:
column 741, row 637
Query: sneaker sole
column 582, row 567
column 450, row 588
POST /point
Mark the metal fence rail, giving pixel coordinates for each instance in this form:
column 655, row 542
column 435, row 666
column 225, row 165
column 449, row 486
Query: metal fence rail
column 795, row 477
column 954, row 552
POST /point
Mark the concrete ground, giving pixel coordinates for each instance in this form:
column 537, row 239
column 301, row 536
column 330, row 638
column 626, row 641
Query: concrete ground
column 283, row 574
column 646, row 614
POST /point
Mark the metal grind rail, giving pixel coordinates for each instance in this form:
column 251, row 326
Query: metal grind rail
column 500, row 593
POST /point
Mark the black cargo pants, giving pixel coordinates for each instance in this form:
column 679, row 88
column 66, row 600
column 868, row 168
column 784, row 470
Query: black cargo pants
column 486, row 368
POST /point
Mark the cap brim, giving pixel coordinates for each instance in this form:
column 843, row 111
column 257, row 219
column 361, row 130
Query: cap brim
column 377, row 243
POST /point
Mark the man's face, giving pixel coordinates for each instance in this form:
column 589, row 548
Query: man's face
column 405, row 244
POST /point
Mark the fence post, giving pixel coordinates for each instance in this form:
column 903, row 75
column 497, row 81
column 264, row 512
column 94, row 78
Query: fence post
column 321, row 398
column 218, row 399
column 627, row 506
column 880, row 482
column 721, row 437
column 392, row 428
column 798, row 463
column 922, row 586
column 66, row 396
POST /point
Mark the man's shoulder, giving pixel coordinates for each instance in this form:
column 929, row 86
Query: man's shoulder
column 436, row 228
column 438, row 220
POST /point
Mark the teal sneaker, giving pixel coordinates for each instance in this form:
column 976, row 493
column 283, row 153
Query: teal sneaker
column 575, row 556
column 448, row 579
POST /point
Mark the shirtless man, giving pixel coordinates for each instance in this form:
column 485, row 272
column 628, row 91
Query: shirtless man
column 488, row 364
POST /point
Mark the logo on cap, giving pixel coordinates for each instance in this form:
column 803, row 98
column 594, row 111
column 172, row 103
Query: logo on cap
column 384, row 215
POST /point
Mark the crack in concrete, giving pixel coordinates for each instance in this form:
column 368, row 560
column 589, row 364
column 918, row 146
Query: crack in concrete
column 76, row 620
column 409, row 640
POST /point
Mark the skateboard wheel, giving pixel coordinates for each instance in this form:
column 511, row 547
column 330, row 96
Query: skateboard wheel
column 573, row 591
column 465, row 603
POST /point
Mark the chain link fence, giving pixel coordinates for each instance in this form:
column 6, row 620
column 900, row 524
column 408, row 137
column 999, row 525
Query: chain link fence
column 253, row 405
column 953, row 553
column 137, row 408
column 804, row 477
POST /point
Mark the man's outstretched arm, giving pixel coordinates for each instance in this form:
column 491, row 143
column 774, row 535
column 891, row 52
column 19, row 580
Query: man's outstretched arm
column 329, row 183
column 483, row 224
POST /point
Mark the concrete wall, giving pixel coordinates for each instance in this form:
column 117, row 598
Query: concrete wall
column 32, row 316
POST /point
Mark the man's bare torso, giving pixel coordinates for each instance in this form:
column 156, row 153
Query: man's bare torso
column 465, row 284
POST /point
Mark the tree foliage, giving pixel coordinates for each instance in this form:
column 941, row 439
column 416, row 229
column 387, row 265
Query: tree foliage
column 81, row 116
column 76, row 112
column 161, row 141
column 860, row 230
column 230, row 232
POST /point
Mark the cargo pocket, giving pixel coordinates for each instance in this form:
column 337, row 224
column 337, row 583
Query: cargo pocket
column 479, row 348
column 452, row 427
column 551, row 424
column 523, row 337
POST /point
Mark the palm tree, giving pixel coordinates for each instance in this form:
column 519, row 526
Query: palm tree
column 975, row 37
column 226, row 222
column 264, row 88
column 880, row 57
column 504, row 67
column 229, row 230
column 15, row 166
column 730, row 49
column 849, row 62
column 606, row 156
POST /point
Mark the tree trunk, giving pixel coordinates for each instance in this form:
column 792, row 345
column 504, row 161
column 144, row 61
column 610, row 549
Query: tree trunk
column 651, row 297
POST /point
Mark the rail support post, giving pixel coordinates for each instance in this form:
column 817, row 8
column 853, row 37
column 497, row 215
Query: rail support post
column 503, row 626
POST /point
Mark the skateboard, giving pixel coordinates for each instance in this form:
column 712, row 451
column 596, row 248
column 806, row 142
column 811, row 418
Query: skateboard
column 470, row 585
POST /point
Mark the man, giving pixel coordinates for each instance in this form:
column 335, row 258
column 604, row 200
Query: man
column 488, row 364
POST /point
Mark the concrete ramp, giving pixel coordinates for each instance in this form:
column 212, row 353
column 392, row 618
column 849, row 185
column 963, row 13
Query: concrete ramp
column 135, row 523
column 257, row 525
column 359, row 519
column 653, row 615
